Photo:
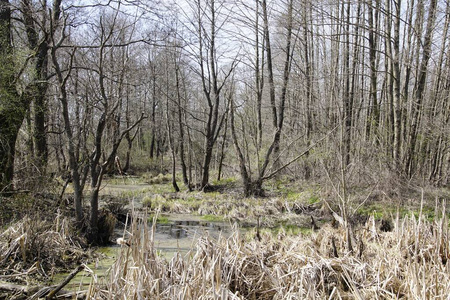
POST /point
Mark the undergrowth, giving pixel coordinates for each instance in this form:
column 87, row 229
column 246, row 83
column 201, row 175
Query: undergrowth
column 409, row 262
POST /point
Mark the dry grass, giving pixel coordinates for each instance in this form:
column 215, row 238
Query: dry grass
column 34, row 248
column 410, row 263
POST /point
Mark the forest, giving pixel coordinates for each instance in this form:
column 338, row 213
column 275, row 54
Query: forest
column 318, row 130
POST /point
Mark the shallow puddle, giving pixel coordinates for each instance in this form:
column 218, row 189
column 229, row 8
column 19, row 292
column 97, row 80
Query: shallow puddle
column 179, row 234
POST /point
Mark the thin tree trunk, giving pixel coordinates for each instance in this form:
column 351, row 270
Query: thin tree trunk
column 211, row 90
column 222, row 150
column 396, row 80
column 420, row 87
column 309, row 83
column 259, row 76
column 181, row 129
column 374, row 108
column 170, row 135
column 40, row 47
column 247, row 182
column 73, row 162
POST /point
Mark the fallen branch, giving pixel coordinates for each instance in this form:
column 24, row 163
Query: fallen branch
column 53, row 293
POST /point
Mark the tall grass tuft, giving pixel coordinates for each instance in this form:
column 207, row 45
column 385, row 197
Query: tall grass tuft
column 410, row 262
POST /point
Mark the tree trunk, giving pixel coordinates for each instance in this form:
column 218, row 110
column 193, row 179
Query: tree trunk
column 309, row 83
column 396, row 80
column 374, row 108
column 181, row 128
column 209, row 144
column 222, row 150
column 211, row 89
column 13, row 108
column 128, row 154
column 170, row 134
column 153, row 145
column 259, row 77
column 420, row 87
column 250, row 188
column 40, row 47
column 8, row 138
column 73, row 162
column 92, row 231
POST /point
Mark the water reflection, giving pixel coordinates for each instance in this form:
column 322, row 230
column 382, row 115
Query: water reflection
column 188, row 228
column 177, row 236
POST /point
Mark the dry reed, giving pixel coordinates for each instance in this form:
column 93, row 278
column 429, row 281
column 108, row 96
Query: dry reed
column 35, row 248
column 410, row 263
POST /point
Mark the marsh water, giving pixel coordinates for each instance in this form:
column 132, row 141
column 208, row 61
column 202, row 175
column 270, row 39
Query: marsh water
column 178, row 232
column 176, row 235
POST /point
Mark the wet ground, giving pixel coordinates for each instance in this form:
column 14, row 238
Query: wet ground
column 178, row 234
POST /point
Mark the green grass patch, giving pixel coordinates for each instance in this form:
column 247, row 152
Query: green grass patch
column 380, row 211
column 313, row 199
column 293, row 196
column 159, row 179
column 427, row 212
column 288, row 229
column 124, row 180
column 160, row 188
column 159, row 220
column 212, row 218
column 295, row 230
column 225, row 181
column 130, row 194
column 377, row 211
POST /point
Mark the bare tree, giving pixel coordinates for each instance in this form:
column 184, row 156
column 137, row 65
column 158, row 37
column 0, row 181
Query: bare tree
column 254, row 186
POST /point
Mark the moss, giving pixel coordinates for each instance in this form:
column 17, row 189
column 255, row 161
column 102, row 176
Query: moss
column 162, row 220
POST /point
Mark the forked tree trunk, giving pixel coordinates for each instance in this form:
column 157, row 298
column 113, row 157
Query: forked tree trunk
column 254, row 187
column 211, row 88
column 73, row 162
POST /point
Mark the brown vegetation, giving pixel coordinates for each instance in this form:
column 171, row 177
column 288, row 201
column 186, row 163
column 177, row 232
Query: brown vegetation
column 410, row 262
column 35, row 248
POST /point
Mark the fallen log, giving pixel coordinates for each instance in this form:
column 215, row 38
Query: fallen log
column 16, row 288
column 49, row 292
